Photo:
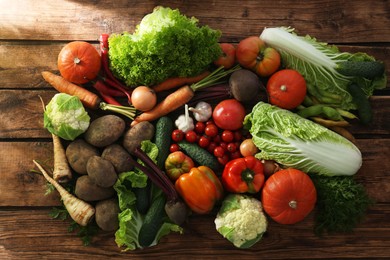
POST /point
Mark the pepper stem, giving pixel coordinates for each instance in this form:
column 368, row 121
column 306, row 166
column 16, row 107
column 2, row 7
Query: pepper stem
column 247, row 175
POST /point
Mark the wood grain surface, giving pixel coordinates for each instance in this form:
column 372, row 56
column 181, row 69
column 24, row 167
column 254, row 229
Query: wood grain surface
column 33, row 32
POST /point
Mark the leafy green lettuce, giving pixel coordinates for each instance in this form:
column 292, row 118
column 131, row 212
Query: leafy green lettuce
column 65, row 116
column 130, row 220
column 318, row 62
column 165, row 44
column 296, row 142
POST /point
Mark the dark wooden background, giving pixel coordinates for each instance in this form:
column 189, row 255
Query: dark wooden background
column 31, row 36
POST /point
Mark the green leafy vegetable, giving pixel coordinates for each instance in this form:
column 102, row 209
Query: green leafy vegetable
column 66, row 117
column 130, row 220
column 165, row 44
column 341, row 203
column 296, row 142
column 327, row 71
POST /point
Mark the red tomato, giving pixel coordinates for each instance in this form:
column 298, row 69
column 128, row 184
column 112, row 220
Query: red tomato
column 174, row 147
column 211, row 147
column 204, row 141
column 228, row 58
column 286, row 89
column 231, row 147
column 177, row 135
column 224, row 159
column 199, row 127
column 227, row 136
column 211, row 130
column 252, row 53
column 229, row 114
column 191, row 136
column 219, row 151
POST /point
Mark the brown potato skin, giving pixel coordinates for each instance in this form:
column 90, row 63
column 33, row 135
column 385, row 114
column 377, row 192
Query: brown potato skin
column 119, row 157
column 101, row 171
column 105, row 130
column 78, row 153
column 87, row 190
column 136, row 134
column 106, row 215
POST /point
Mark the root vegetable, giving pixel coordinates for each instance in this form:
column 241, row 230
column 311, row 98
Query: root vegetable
column 119, row 158
column 80, row 211
column 107, row 214
column 101, row 171
column 105, row 130
column 87, row 190
column 136, row 134
column 78, row 153
column 245, row 86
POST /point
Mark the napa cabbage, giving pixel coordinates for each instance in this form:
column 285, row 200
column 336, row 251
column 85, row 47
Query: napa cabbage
column 328, row 71
column 296, row 142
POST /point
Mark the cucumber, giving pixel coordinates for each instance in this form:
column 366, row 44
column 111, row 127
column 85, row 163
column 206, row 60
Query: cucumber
column 363, row 104
column 199, row 155
column 164, row 128
column 365, row 69
column 153, row 221
column 142, row 195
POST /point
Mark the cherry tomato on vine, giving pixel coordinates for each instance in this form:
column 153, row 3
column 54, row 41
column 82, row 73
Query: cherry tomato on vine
column 177, row 135
column 199, row 127
column 224, row 159
column 227, row 136
column 211, row 147
column 174, row 148
column 231, row 147
column 211, row 130
column 191, row 136
column 219, row 151
column 204, row 141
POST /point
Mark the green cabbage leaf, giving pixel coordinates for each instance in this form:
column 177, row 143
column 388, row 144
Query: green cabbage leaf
column 296, row 142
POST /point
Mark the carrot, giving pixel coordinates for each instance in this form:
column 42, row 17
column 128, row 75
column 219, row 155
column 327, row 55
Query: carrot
column 61, row 170
column 176, row 82
column 88, row 98
column 80, row 211
column 182, row 95
column 172, row 102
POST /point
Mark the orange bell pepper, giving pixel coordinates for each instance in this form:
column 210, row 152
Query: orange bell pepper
column 200, row 189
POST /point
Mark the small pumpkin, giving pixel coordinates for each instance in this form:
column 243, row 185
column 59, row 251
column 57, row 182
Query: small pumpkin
column 79, row 62
column 288, row 196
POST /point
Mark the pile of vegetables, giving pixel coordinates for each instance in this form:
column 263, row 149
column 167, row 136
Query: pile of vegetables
column 193, row 126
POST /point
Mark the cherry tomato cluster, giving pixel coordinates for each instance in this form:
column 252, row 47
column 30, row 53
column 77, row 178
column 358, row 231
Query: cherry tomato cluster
column 223, row 144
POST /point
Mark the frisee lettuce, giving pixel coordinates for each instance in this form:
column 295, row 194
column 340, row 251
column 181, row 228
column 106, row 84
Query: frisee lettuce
column 165, row 44
column 296, row 142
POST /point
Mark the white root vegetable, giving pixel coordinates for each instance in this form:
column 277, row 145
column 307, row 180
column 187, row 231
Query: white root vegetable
column 80, row 211
column 61, row 170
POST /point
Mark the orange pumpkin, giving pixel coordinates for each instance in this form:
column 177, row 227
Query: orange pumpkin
column 288, row 196
column 79, row 62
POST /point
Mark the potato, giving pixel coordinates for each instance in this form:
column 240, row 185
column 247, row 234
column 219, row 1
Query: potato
column 101, row 171
column 119, row 157
column 105, row 130
column 87, row 190
column 106, row 215
column 78, row 153
column 136, row 134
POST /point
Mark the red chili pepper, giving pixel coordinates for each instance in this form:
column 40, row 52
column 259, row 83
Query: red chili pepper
column 103, row 88
column 109, row 99
column 243, row 175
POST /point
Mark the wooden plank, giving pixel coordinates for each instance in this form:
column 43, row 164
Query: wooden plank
column 20, row 187
column 50, row 239
column 85, row 20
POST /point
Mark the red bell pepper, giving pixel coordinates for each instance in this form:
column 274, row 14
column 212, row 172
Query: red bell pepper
column 200, row 189
column 243, row 175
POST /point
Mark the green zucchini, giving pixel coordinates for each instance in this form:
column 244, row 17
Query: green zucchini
column 363, row 104
column 199, row 155
column 365, row 69
column 164, row 128
column 153, row 221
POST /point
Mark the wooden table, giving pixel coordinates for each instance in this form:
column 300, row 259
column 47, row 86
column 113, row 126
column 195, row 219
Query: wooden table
column 31, row 36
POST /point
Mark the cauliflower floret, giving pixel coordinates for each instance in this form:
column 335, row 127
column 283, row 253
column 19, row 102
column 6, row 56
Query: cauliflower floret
column 66, row 117
column 241, row 220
